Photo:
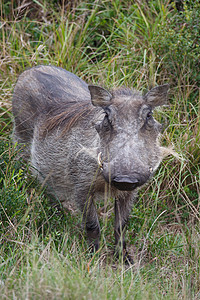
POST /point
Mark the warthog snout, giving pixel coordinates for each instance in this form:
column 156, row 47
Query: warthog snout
column 125, row 182
column 122, row 177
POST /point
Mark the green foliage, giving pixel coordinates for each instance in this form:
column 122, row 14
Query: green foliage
column 112, row 43
column 177, row 41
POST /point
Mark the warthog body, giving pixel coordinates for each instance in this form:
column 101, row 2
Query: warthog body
column 81, row 138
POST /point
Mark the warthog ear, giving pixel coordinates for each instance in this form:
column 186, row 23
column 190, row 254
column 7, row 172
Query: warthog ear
column 99, row 96
column 157, row 96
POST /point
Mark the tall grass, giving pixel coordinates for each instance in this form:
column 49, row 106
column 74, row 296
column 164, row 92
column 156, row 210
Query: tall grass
column 43, row 253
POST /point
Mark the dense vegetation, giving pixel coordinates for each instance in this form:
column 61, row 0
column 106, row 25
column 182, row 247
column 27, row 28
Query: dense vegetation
column 111, row 43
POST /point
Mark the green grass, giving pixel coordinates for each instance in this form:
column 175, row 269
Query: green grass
column 43, row 252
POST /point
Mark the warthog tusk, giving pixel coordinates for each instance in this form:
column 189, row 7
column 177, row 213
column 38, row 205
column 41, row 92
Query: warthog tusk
column 100, row 161
column 151, row 170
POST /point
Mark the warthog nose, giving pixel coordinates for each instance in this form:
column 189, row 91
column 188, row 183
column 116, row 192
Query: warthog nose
column 125, row 183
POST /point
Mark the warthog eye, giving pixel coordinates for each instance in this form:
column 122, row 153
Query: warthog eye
column 106, row 122
column 149, row 116
column 105, row 125
column 149, row 120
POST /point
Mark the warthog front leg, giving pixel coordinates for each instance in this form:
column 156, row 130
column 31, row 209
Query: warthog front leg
column 90, row 223
column 122, row 210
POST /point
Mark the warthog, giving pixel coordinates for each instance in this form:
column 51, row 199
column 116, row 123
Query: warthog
column 82, row 138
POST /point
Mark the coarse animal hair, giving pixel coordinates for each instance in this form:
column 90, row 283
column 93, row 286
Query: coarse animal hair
column 66, row 117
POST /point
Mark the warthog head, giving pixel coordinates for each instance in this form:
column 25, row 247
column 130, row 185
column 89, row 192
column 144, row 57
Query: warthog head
column 129, row 151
